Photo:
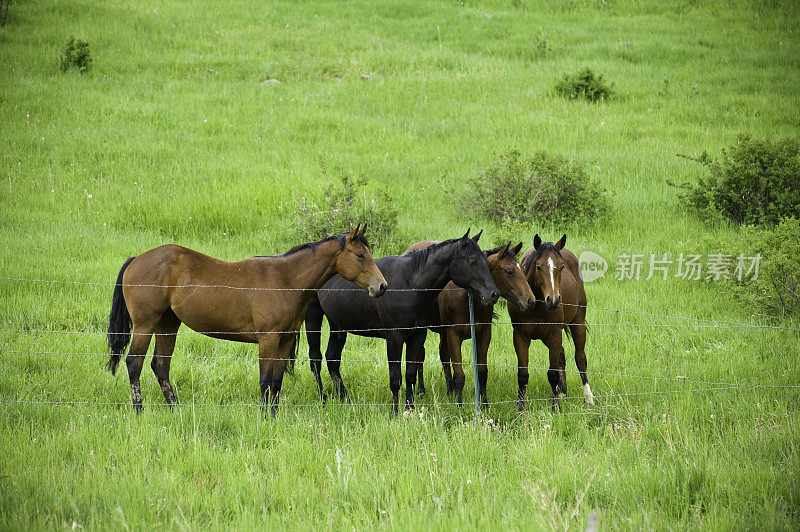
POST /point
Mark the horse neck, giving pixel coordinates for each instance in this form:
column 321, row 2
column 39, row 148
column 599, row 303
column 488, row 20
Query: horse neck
column 307, row 269
column 435, row 273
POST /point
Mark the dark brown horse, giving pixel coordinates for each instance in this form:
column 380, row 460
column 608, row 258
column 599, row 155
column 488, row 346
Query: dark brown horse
column 258, row 300
column 555, row 277
column 402, row 316
column 452, row 311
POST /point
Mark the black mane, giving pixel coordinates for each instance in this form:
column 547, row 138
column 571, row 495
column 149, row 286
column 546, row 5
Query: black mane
column 420, row 256
column 490, row 252
column 544, row 247
column 342, row 238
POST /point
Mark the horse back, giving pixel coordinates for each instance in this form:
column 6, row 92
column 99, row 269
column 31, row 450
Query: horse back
column 420, row 245
column 572, row 289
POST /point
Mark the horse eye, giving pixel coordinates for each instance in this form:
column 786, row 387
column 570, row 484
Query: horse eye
column 359, row 255
column 510, row 272
column 561, row 268
column 539, row 268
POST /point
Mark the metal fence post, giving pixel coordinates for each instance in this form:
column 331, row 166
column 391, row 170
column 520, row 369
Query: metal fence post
column 474, row 355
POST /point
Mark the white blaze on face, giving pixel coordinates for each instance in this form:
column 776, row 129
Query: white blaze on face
column 587, row 393
column 552, row 272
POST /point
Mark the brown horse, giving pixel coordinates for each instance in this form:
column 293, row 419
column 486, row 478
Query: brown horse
column 452, row 315
column 555, row 276
column 258, row 300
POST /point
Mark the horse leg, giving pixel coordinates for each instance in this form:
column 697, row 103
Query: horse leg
column 285, row 345
column 556, row 353
column 140, row 343
column 314, row 316
column 267, row 352
column 579, row 337
column 394, row 354
column 415, row 353
column 522, row 345
column 484, row 338
column 454, row 355
column 162, row 354
column 420, row 373
column 444, row 356
column 333, row 355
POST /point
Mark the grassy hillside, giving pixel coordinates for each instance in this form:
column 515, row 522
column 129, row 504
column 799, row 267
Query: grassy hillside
column 174, row 136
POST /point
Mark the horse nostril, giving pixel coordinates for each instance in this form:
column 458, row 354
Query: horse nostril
column 495, row 295
column 383, row 287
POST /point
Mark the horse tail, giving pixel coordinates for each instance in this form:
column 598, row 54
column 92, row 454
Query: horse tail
column 119, row 322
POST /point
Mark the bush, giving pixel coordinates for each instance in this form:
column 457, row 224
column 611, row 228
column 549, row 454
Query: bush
column 542, row 187
column 346, row 201
column 753, row 182
column 583, row 85
column 777, row 286
column 76, row 55
column 511, row 230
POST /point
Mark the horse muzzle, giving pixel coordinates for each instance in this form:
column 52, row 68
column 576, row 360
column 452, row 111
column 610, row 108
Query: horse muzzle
column 379, row 291
column 527, row 305
column 491, row 298
column 552, row 303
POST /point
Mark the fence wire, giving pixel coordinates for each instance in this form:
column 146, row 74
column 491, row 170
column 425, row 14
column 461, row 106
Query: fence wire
column 733, row 324
column 697, row 323
column 347, row 404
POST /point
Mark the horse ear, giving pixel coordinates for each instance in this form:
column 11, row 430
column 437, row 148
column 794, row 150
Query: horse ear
column 560, row 244
column 477, row 236
column 363, row 229
column 503, row 251
column 537, row 241
column 466, row 235
column 353, row 232
column 516, row 249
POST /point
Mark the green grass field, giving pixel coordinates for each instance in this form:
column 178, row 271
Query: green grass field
column 172, row 137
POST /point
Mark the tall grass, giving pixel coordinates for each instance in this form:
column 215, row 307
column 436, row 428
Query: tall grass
column 172, row 137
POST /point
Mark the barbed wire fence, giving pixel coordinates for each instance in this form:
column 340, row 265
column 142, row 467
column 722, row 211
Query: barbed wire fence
column 697, row 386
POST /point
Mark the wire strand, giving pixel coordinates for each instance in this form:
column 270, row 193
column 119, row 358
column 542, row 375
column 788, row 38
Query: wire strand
column 249, row 359
column 383, row 404
column 592, row 307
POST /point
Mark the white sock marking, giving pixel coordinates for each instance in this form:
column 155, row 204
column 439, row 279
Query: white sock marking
column 587, row 392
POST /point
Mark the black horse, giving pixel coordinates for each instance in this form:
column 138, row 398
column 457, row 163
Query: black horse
column 401, row 315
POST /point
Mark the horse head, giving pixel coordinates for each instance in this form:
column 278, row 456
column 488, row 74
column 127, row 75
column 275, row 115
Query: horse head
column 544, row 267
column 468, row 269
column 509, row 278
column 355, row 263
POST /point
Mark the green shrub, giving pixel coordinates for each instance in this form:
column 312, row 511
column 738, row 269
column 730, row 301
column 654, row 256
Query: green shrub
column 753, row 182
column 776, row 289
column 511, row 230
column 346, row 201
column 77, row 54
column 583, row 85
column 543, row 187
